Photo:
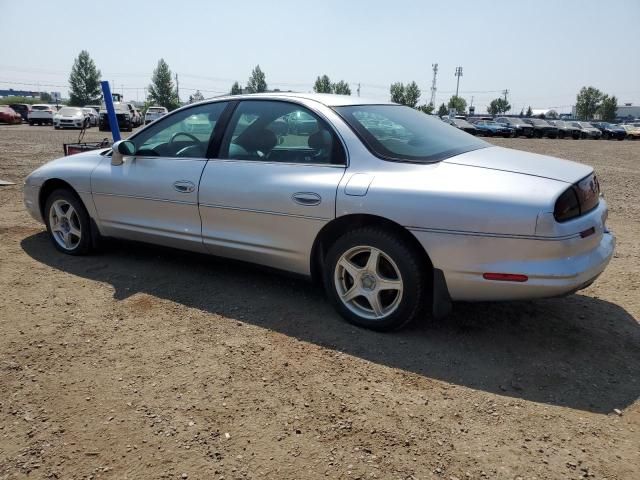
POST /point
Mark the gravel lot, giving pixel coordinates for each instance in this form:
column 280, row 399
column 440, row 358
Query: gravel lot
column 143, row 362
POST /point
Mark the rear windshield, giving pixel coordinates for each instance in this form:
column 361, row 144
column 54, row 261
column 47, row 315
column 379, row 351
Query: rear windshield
column 395, row 132
column 41, row 107
column 155, row 110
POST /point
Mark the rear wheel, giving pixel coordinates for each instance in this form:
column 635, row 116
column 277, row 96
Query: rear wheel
column 374, row 279
column 68, row 223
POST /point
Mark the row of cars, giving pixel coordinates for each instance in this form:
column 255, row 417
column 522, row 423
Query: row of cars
column 62, row 116
column 536, row 127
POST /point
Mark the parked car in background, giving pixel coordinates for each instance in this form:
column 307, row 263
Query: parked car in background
column 421, row 213
column 566, row 130
column 542, row 128
column 588, row 130
column 136, row 117
column 521, row 128
column 464, row 125
column 95, row 107
column 123, row 115
column 23, row 109
column 633, row 132
column 9, row 115
column 610, row 131
column 489, row 128
column 41, row 114
column 154, row 113
column 92, row 114
column 71, row 117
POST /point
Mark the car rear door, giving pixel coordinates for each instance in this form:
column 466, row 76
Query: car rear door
column 153, row 195
column 272, row 186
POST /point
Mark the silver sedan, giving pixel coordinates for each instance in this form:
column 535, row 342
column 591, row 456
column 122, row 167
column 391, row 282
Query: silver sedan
column 397, row 213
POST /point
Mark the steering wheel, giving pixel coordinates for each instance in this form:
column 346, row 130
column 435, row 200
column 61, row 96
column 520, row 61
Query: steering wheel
column 177, row 134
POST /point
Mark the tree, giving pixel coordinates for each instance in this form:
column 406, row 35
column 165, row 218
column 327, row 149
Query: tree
column 341, row 88
column 587, row 102
column 236, row 89
column 257, row 82
column 529, row 112
column 411, row 95
column 442, row 110
column 522, row 112
column 161, row 90
column 498, row 106
column 323, row 85
column 426, row 108
column 397, row 92
column 459, row 104
column 46, row 97
column 84, row 81
column 608, row 108
column 196, row 97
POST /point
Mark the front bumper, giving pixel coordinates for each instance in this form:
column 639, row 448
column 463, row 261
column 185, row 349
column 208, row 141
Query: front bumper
column 31, row 203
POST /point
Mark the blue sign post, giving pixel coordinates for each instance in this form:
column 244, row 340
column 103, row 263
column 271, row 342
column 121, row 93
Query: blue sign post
column 111, row 111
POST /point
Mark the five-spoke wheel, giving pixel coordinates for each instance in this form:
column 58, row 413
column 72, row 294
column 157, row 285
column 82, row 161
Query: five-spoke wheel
column 376, row 279
column 67, row 222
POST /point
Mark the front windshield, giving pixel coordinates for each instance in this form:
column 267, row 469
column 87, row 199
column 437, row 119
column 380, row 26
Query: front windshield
column 537, row 121
column 396, row 132
column 586, row 125
column 462, row 123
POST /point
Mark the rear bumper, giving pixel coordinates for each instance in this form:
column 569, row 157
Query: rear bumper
column 554, row 266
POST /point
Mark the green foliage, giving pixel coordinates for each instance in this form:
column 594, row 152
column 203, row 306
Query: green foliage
column 196, row 97
column 498, row 106
column 323, row 85
column 161, row 90
column 46, row 97
column 16, row 99
column 457, row 103
column 442, row 110
column 397, row 92
column 257, row 82
column 608, row 108
column 341, row 88
column 529, row 112
column 587, row 102
column 84, row 81
column 426, row 108
column 411, row 95
column 236, row 89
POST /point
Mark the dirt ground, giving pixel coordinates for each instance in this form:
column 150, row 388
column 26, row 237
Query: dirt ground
column 149, row 363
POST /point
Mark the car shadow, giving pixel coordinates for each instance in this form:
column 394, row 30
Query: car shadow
column 579, row 351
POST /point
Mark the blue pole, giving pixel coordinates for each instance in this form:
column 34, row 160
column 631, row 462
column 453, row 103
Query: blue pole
column 111, row 111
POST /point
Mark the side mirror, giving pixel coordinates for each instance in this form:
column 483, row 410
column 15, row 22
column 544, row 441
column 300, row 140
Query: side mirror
column 120, row 150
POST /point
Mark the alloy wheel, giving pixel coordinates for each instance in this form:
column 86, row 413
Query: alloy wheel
column 65, row 224
column 368, row 282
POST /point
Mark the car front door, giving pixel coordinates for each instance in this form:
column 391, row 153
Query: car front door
column 153, row 195
column 273, row 185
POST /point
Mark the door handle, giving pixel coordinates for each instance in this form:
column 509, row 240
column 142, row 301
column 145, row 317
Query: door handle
column 306, row 198
column 184, row 186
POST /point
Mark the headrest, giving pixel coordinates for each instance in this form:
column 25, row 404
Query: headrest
column 263, row 140
column 320, row 140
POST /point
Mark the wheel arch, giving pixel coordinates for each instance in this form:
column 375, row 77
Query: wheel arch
column 438, row 291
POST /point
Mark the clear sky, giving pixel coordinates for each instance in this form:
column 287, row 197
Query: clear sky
column 542, row 51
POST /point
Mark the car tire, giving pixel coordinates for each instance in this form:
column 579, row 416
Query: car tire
column 68, row 223
column 348, row 268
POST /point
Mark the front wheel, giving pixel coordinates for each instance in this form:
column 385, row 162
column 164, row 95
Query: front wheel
column 68, row 223
column 375, row 280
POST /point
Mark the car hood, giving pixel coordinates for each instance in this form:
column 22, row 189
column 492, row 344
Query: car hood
column 526, row 163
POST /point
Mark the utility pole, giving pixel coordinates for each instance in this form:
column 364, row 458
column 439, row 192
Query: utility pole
column 505, row 92
column 458, row 74
column 433, row 84
column 177, row 88
column 358, row 89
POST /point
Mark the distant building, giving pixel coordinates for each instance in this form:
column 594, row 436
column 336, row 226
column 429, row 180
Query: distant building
column 628, row 111
column 19, row 93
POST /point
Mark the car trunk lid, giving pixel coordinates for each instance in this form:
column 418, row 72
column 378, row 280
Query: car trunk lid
column 526, row 163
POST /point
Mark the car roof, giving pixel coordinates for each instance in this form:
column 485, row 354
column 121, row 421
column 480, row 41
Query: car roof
column 328, row 99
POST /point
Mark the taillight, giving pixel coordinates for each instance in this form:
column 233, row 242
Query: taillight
column 567, row 206
column 579, row 199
